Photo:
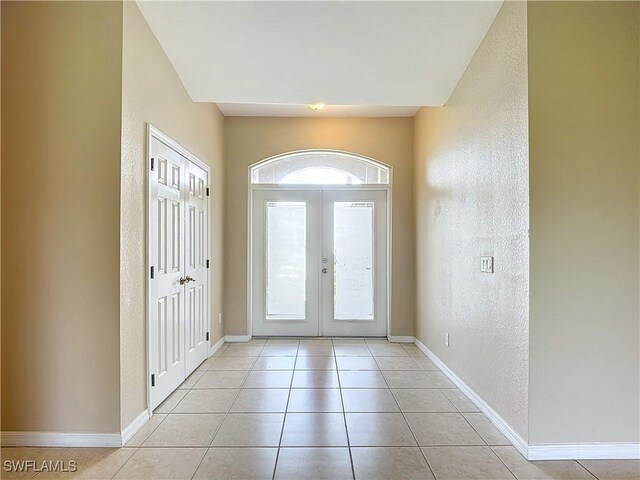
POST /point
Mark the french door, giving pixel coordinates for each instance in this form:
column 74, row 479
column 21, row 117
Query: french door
column 178, row 307
column 319, row 262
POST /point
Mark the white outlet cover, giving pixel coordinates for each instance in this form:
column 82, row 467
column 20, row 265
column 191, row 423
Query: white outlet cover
column 486, row 263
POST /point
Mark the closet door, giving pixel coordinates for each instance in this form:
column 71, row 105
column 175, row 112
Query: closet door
column 166, row 254
column 196, row 273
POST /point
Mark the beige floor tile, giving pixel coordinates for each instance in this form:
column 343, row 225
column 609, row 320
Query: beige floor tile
column 313, row 464
column 413, row 351
column 210, row 400
column 91, row 463
column 388, row 350
column 237, row 464
column 316, row 363
column 256, row 342
column 547, row 470
column 20, row 454
column 460, row 400
column 390, row 463
column 268, row 379
column 377, row 341
column 171, row 401
column 315, row 379
column 433, row 429
column 185, row 430
column 486, row 429
column 426, row 364
column 229, row 363
column 315, row 350
column 192, row 379
column 314, row 430
column 242, row 350
column 423, row 400
column 361, row 379
column 250, row 430
column 146, row 430
column 440, row 379
column 379, row 430
column 283, row 341
column 261, row 400
column 356, row 363
column 613, row 469
column 218, row 353
column 397, row 363
column 315, row 400
column 161, row 464
column 279, row 350
column 369, row 400
column 466, row 463
column 348, row 341
column 351, row 350
column 317, row 342
column 221, row 379
column 408, row 379
column 275, row 363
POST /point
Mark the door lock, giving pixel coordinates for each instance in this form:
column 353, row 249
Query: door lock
column 325, row 270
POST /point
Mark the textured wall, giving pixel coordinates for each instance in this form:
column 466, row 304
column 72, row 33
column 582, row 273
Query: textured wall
column 61, row 112
column 251, row 139
column 471, row 197
column 585, row 207
column 152, row 93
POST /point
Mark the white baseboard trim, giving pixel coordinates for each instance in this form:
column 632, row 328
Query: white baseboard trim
column 237, row 338
column 60, row 439
column 131, row 429
column 484, row 407
column 585, row 451
column 216, row 346
column 400, row 339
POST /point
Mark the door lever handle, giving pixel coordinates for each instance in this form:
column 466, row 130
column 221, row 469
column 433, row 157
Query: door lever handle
column 186, row 279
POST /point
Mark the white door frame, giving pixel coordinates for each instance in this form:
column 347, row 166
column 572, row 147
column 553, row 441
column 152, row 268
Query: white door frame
column 153, row 132
column 253, row 187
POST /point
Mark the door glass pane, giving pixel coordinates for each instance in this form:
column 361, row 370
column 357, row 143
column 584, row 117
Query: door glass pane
column 286, row 260
column 353, row 261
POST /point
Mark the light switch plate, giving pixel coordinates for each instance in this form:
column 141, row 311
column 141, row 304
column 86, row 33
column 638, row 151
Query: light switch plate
column 486, row 263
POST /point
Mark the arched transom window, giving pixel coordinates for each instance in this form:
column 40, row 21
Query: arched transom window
column 320, row 168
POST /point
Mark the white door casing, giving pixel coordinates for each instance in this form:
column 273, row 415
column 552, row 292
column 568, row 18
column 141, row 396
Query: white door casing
column 177, row 243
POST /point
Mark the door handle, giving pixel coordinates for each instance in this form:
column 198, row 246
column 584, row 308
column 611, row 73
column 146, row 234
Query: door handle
column 186, row 279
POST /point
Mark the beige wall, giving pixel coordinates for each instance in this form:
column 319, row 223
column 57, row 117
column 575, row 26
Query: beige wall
column 251, row 139
column 471, row 195
column 584, row 135
column 61, row 86
column 152, row 93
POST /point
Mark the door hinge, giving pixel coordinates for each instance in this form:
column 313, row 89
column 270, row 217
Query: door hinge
column 152, row 163
column 153, row 379
column 207, row 263
column 207, row 191
column 152, row 272
column 207, row 336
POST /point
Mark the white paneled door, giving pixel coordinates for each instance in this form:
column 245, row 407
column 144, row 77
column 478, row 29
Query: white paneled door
column 178, row 288
column 319, row 262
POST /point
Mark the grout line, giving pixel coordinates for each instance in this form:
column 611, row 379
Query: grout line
column 590, row 472
column 344, row 413
column 284, row 418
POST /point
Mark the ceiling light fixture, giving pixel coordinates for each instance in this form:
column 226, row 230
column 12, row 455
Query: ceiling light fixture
column 316, row 106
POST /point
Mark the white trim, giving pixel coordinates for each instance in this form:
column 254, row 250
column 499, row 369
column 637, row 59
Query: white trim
column 130, row 430
column 237, row 338
column 400, row 338
column 585, row 451
column 553, row 451
column 506, row 429
column 60, row 439
column 216, row 346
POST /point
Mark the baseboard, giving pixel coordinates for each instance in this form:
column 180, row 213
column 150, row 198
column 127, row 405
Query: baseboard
column 216, row 346
column 131, row 429
column 237, row 338
column 400, row 339
column 585, row 451
column 483, row 406
column 60, row 439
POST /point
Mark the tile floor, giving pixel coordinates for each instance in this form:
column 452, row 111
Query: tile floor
column 318, row 409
